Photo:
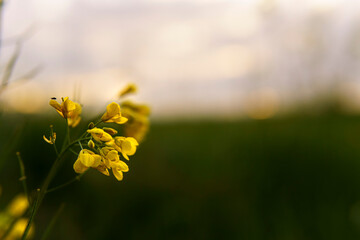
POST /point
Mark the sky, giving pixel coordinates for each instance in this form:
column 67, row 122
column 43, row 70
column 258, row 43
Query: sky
column 216, row 58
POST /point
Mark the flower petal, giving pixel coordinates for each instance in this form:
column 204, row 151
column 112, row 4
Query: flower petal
column 118, row 174
column 79, row 167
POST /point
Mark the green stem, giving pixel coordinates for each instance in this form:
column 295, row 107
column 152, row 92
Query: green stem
column 52, row 222
column 66, row 139
column 77, row 178
column 55, row 149
column 32, row 215
column 51, row 136
column 45, row 186
column 85, row 134
column 73, row 152
column 23, row 176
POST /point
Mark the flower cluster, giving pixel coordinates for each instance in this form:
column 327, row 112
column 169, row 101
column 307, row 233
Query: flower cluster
column 105, row 153
column 105, row 149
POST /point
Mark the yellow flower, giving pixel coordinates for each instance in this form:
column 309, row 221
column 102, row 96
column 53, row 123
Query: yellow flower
column 130, row 88
column 112, row 160
column 68, row 109
column 18, row 206
column 125, row 145
column 109, row 154
column 85, row 160
column 113, row 114
column 118, row 168
column 138, row 124
column 103, row 169
column 100, row 135
column 74, row 118
column 18, row 230
column 141, row 109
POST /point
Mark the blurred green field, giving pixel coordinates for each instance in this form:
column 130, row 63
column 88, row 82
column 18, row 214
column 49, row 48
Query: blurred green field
column 287, row 178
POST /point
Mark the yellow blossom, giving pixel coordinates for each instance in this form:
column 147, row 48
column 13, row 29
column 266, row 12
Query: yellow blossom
column 100, row 135
column 85, row 160
column 74, row 118
column 67, row 106
column 18, row 206
column 138, row 124
column 118, row 169
column 141, row 109
column 113, row 114
column 112, row 160
column 103, row 169
column 130, row 88
column 125, row 145
column 68, row 109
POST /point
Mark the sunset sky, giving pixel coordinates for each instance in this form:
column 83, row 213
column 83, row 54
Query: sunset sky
column 188, row 57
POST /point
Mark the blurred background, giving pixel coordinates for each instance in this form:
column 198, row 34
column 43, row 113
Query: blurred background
column 255, row 115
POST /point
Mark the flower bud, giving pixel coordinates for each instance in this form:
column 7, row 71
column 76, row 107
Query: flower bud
column 91, row 125
column 110, row 131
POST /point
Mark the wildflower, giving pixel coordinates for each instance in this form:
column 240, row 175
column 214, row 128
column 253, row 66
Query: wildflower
column 103, row 169
column 113, row 114
column 75, row 118
column 51, row 139
column 125, row 145
column 118, row 168
column 109, row 154
column 112, row 160
column 100, row 135
column 85, row 160
column 138, row 124
column 18, row 206
column 130, row 88
column 68, row 109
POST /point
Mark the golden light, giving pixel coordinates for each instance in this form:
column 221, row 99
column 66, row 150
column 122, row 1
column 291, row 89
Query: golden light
column 262, row 103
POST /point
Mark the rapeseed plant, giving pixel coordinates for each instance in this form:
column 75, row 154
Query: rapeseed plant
column 99, row 148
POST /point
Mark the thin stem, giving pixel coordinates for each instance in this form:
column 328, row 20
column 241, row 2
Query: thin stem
column 52, row 135
column 11, row 226
column 55, row 149
column 22, row 175
column 73, row 152
column 77, row 178
column 45, row 186
column 32, row 215
column 68, row 131
column 81, row 145
column 85, row 134
column 66, row 139
column 53, row 221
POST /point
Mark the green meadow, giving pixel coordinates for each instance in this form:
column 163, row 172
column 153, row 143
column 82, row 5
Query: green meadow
column 295, row 177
